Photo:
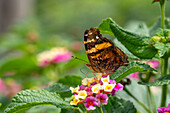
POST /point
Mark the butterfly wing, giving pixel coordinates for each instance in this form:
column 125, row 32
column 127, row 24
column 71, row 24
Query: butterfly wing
column 104, row 57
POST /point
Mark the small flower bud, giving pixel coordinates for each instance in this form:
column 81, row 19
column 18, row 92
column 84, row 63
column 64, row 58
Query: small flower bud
column 163, row 39
column 156, row 38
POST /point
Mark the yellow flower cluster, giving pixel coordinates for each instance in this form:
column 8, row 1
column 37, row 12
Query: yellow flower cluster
column 91, row 87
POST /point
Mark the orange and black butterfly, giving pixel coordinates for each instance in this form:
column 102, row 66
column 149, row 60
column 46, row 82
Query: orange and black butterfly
column 103, row 55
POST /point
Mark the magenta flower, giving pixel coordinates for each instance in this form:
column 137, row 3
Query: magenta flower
column 134, row 75
column 55, row 55
column 60, row 55
column 93, row 83
column 112, row 82
column 153, row 63
column 94, row 91
column 118, row 86
column 88, row 90
column 3, row 87
column 9, row 88
column 102, row 98
column 90, row 103
column 82, row 87
column 164, row 109
column 62, row 58
column 113, row 92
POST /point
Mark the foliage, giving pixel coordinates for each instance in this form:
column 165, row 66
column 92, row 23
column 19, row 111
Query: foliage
column 131, row 68
column 30, row 98
column 159, row 82
column 71, row 80
column 139, row 45
column 20, row 47
column 117, row 105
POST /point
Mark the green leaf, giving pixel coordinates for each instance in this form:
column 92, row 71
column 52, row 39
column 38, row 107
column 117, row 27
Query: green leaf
column 10, row 42
column 162, row 48
column 71, row 80
column 138, row 45
column 57, row 87
column 44, row 109
column 159, row 82
column 156, row 27
column 63, row 90
column 118, row 105
column 70, row 111
column 19, row 65
column 138, row 27
column 105, row 27
column 27, row 99
column 131, row 68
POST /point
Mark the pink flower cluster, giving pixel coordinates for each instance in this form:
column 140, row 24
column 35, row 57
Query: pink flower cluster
column 94, row 91
column 154, row 64
column 53, row 56
column 9, row 88
column 164, row 109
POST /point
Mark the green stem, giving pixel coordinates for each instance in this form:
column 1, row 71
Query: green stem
column 162, row 4
column 165, row 60
column 138, row 101
column 100, row 109
column 164, row 87
column 151, row 99
column 164, row 95
column 153, row 103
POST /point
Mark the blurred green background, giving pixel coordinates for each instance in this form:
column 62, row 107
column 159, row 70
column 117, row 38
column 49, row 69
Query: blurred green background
column 29, row 27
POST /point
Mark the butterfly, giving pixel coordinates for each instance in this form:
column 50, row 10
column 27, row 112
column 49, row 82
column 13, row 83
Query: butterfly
column 103, row 55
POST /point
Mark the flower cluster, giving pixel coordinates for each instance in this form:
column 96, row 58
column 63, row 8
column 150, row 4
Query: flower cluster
column 154, row 64
column 94, row 91
column 164, row 37
column 9, row 88
column 53, row 56
column 164, row 109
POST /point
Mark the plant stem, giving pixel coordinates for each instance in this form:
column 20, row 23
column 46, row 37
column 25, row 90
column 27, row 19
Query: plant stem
column 152, row 100
column 138, row 101
column 100, row 109
column 165, row 60
column 164, row 87
column 162, row 4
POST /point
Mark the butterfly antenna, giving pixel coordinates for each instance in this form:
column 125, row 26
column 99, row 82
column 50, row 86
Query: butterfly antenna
column 79, row 59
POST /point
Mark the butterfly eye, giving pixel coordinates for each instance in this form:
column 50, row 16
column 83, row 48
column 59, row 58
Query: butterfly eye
column 97, row 37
